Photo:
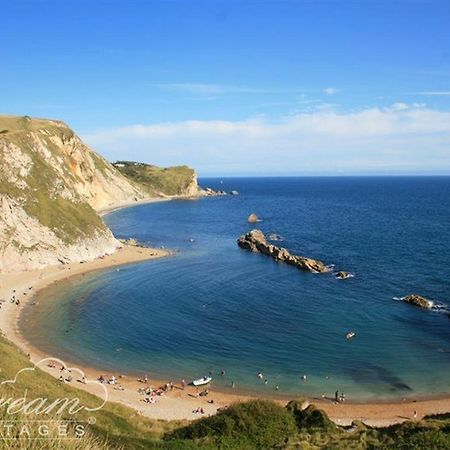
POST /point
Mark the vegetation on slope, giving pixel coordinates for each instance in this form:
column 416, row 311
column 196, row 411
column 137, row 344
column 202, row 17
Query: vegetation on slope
column 156, row 180
column 41, row 191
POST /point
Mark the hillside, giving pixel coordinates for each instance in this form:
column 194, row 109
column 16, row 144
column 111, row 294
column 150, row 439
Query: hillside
column 51, row 183
column 157, row 181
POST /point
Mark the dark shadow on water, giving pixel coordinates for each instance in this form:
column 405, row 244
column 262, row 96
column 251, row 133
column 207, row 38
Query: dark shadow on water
column 374, row 374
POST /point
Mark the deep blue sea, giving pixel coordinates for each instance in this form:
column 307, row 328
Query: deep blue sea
column 214, row 307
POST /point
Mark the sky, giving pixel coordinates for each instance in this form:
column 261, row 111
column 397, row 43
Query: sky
column 239, row 87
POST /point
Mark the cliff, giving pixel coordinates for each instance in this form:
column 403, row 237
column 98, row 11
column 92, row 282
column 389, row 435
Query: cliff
column 51, row 183
column 157, row 181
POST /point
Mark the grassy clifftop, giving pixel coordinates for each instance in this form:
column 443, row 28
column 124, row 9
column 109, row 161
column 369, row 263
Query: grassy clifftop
column 179, row 180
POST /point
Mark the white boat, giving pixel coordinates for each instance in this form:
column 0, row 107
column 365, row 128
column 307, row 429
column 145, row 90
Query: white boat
column 350, row 334
column 202, row 381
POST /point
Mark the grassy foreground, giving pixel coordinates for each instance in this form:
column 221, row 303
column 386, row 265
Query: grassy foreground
column 256, row 424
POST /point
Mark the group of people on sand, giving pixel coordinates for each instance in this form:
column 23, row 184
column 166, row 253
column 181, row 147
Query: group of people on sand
column 150, row 393
column 62, row 370
column 112, row 380
column 14, row 297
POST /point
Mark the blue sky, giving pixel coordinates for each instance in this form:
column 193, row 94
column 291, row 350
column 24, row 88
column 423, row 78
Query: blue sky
column 239, row 87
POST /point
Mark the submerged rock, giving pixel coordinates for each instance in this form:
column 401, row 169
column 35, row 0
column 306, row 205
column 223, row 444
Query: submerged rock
column 417, row 300
column 255, row 241
column 252, row 218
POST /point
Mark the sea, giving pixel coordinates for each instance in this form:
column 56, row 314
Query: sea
column 213, row 308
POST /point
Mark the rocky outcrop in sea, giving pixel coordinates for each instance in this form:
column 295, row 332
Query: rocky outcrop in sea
column 417, row 300
column 255, row 241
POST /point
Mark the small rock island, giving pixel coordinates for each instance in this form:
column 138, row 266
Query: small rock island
column 255, row 241
column 343, row 275
column 417, row 300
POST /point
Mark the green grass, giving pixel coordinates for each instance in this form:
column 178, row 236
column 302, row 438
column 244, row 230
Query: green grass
column 156, row 180
column 255, row 424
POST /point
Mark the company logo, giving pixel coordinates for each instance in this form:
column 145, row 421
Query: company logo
column 25, row 415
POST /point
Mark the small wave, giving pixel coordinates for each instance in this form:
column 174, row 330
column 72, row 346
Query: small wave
column 441, row 307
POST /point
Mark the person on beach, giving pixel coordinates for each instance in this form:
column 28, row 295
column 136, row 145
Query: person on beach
column 415, row 414
column 336, row 396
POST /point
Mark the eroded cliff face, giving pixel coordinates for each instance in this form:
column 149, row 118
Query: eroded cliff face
column 50, row 183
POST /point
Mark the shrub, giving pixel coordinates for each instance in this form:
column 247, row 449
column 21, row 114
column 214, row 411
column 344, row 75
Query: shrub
column 257, row 424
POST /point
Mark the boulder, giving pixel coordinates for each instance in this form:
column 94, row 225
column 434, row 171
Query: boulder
column 252, row 218
column 343, row 275
column 417, row 300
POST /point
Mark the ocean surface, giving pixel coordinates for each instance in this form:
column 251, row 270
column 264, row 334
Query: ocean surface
column 214, row 307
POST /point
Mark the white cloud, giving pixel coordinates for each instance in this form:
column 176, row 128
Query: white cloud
column 330, row 91
column 400, row 137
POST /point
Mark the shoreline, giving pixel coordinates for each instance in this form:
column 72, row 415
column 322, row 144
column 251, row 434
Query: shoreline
column 144, row 201
column 179, row 403
column 127, row 204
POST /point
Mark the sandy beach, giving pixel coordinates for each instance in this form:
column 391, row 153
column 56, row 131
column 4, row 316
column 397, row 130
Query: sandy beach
column 177, row 403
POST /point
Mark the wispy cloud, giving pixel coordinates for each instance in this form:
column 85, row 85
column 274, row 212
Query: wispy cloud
column 212, row 89
column 223, row 89
column 401, row 137
column 438, row 93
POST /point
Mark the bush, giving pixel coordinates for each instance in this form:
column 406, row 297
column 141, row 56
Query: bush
column 310, row 417
column 257, row 424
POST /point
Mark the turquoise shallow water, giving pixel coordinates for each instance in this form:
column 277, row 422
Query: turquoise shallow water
column 214, row 307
